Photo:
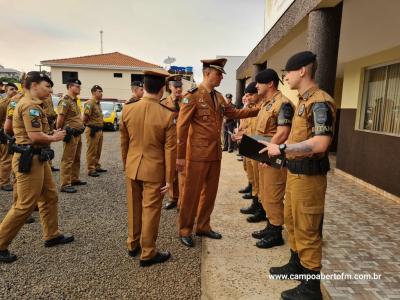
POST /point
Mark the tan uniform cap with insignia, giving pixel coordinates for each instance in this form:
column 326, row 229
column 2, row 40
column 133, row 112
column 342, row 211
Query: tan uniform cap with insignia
column 217, row 64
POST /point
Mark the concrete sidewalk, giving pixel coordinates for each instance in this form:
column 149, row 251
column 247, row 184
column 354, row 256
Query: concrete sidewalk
column 361, row 236
column 234, row 268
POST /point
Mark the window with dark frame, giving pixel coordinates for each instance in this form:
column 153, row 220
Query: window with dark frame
column 67, row 76
column 380, row 109
column 117, row 75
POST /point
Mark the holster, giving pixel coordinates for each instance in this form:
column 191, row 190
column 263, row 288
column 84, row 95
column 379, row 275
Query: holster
column 25, row 160
column 309, row 166
column 3, row 137
column 11, row 143
column 46, row 154
column 94, row 129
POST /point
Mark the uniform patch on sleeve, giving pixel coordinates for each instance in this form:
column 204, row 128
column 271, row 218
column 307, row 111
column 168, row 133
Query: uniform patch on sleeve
column 285, row 114
column 185, row 100
column 34, row 113
column 35, row 123
column 13, row 104
column 322, row 119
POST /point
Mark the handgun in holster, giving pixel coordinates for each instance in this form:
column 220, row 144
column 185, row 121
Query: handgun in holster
column 3, row 137
column 69, row 133
column 25, row 160
column 11, row 143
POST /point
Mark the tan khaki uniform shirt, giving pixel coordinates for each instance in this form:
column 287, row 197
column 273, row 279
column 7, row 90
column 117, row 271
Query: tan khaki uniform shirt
column 29, row 116
column 93, row 110
column 269, row 117
column 304, row 123
column 69, row 108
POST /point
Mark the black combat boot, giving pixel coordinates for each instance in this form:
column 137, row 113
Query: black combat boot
column 272, row 237
column 247, row 189
column 293, row 267
column 247, row 196
column 258, row 216
column 308, row 288
column 259, row 234
column 252, row 209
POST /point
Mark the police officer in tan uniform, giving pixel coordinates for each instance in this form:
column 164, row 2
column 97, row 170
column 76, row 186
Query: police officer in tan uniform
column 148, row 141
column 93, row 119
column 199, row 150
column 255, row 209
column 173, row 101
column 69, row 118
column 51, row 118
column 35, row 184
column 5, row 157
column 137, row 91
column 274, row 121
column 307, row 152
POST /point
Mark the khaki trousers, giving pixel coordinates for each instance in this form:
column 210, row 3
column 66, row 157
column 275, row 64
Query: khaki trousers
column 144, row 212
column 255, row 188
column 71, row 161
column 249, row 170
column 94, row 147
column 173, row 192
column 34, row 188
column 304, row 210
column 272, row 184
column 5, row 165
column 199, row 193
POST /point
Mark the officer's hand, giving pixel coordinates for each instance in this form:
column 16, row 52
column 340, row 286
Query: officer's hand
column 164, row 189
column 180, row 165
column 272, row 149
column 58, row 135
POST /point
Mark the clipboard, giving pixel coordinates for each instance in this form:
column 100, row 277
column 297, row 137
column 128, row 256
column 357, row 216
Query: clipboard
column 249, row 147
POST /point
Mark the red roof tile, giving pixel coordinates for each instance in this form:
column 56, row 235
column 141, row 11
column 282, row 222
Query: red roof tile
column 107, row 59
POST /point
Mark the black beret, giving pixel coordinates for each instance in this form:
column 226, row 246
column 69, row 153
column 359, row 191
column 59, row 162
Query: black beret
column 137, row 83
column 95, row 88
column 266, row 76
column 251, row 88
column 74, row 81
column 299, row 60
column 12, row 84
column 35, row 76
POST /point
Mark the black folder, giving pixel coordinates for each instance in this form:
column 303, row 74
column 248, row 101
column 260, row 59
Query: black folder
column 249, row 147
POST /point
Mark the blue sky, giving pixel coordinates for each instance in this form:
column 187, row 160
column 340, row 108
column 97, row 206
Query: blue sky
column 151, row 30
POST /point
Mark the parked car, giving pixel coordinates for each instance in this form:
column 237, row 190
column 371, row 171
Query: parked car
column 111, row 114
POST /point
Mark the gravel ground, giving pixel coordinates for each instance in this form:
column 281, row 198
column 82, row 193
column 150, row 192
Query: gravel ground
column 96, row 265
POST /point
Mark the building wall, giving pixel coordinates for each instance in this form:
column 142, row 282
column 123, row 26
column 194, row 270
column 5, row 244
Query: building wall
column 118, row 88
column 370, row 156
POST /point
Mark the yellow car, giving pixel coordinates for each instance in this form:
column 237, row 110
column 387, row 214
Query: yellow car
column 111, row 114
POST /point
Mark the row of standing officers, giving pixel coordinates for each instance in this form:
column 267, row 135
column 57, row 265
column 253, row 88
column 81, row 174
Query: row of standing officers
column 183, row 134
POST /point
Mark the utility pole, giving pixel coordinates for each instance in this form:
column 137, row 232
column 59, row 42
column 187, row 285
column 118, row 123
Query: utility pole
column 101, row 41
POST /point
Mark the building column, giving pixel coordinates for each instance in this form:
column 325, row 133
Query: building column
column 323, row 39
column 240, row 86
column 257, row 68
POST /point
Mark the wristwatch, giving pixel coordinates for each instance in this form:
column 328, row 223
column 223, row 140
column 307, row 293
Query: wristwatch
column 282, row 148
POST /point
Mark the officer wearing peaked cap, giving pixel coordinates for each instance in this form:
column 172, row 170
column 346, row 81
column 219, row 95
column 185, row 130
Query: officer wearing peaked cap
column 199, row 150
column 147, row 157
column 306, row 150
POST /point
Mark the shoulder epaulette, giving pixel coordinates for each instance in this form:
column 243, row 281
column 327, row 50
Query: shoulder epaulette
column 193, row 89
column 166, row 107
column 132, row 100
